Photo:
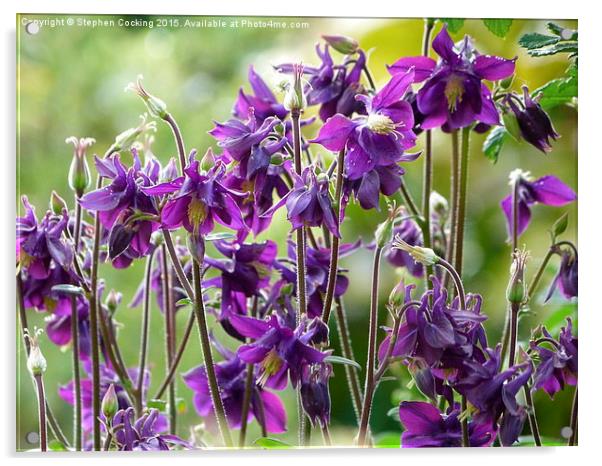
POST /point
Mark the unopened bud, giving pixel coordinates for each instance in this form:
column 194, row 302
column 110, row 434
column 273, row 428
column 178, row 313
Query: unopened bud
column 424, row 256
column 438, row 204
column 516, row 293
column 129, row 137
column 156, row 106
column 113, row 300
column 79, row 172
column 110, row 403
column 57, row 203
column 196, row 247
column 342, row 44
column 397, row 295
column 294, row 99
column 208, row 160
column 276, row 159
column 36, row 362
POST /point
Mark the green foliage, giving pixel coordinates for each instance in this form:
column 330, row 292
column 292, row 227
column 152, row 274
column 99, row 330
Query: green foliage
column 559, row 226
column 559, row 91
column 558, row 318
column 541, row 45
column 453, row 24
column 494, row 142
column 388, row 440
column 341, row 360
column 271, row 443
column 161, row 405
column 535, row 40
column 499, row 27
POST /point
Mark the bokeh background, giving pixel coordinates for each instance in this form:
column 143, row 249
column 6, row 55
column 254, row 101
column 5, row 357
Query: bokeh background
column 71, row 81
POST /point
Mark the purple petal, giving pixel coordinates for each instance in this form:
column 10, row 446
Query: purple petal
column 334, row 133
column 493, row 68
column 551, row 191
column 423, row 67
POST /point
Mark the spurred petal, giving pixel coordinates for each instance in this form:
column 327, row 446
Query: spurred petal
column 423, row 67
column 493, row 68
column 334, row 133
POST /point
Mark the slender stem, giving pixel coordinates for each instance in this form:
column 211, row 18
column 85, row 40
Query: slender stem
column 169, row 119
column 94, row 340
column 77, row 392
column 108, row 441
column 301, row 285
column 531, row 413
column 465, row 436
column 326, row 435
column 177, row 265
column 218, row 406
column 514, row 308
column 334, row 249
column 369, row 384
column 246, row 403
column 144, row 332
column 369, row 77
column 540, row 271
column 573, row 437
column 407, row 197
column 515, row 187
column 78, row 224
column 455, row 163
column 41, row 411
column 506, row 335
column 457, row 281
column 168, row 313
column 461, row 208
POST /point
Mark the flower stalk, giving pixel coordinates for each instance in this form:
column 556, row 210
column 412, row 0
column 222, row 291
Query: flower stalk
column 77, row 395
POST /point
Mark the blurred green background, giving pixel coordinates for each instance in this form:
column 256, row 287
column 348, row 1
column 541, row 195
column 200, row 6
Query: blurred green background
column 71, row 81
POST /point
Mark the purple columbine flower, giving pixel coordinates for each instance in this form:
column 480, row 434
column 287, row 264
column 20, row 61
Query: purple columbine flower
column 315, row 396
column 279, row 349
column 566, row 280
column 380, row 137
column 231, row 375
column 146, row 433
column 547, row 190
column 124, row 209
column 263, row 102
column 40, row 244
column 58, row 325
column 425, row 426
column 557, row 366
column 533, row 122
column 317, row 265
column 409, row 232
column 200, row 200
column 454, row 94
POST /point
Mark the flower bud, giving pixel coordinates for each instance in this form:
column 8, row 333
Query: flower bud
column 110, row 403
column 36, row 362
column 196, row 247
column 438, row 204
column 322, row 179
column 343, row 44
column 57, row 203
column 156, row 106
column 294, row 99
column 315, row 396
column 397, row 295
column 208, row 160
column 318, row 331
column 79, row 172
column 516, row 293
column 125, row 140
column 425, row 256
column 113, row 300
column 276, row 159
column 383, row 233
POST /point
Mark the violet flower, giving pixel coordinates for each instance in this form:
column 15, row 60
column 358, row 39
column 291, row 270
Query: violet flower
column 408, row 231
column 280, row 350
column 200, row 200
column 315, row 396
column 566, row 280
column 425, row 426
column 263, row 102
column 231, row 375
column 58, row 326
column 454, row 94
column 380, row 137
column 547, row 190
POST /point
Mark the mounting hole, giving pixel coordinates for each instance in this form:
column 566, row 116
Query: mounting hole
column 32, row 28
column 33, row 438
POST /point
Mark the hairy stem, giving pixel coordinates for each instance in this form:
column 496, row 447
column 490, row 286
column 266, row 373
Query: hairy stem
column 453, row 195
column 531, row 413
column 514, row 308
column 39, row 382
column 77, row 391
column 540, row 271
column 169, row 315
column 573, row 437
column 515, row 187
column 461, row 207
column 144, row 332
column 409, row 201
column 169, row 119
column 246, row 403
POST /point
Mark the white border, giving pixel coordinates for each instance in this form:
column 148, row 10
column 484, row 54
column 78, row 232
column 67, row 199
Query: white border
column 590, row 194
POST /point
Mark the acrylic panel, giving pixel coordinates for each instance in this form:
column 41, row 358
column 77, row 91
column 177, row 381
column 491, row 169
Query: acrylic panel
column 295, row 232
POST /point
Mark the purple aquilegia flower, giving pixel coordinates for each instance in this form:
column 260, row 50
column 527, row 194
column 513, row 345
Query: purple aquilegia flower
column 124, row 209
column 58, row 325
column 547, row 190
column 454, row 94
column 557, row 366
column 231, row 375
column 411, row 234
column 278, row 349
column 425, row 426
column 309, row 202
column 39, row 244
column 533, row 122
column 566, row 280
column 317, row 266
column 146, row 433
column 200, row 200
column 380, row 137
column 263, row 102
column 315, row 396
column 245, row 272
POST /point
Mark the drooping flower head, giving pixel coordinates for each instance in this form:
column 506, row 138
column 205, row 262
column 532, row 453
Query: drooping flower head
column 454, row 94
column 409, row 231
column 315, row 396
column 567, row 279
column 547, row 190
column 263, row 102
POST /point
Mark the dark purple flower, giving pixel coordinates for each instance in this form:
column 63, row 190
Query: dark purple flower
column 263, row 102
column 533, row 122
column 547, row 190
column 124, row 209
column 566, row 279
column 200, row 200
column 454, row 93
column 557, row 366
column 411, row 234
column 380, row 137
column 146, row 433
column 425, row 426
column 315, row 396
column 231, row 375
column 278, row 349
column 58, row 325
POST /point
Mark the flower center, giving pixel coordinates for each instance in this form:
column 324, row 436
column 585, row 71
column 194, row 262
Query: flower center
column 380, row 124
column 197, row 213
column 454, row 90
column 271, row 364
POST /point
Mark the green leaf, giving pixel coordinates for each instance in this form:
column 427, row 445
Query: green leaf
column 55, row 445
column 161, row 405
column 536, row 40
column 218, row 236
column 511, row 125
column 271, row 443
column 560, row 47
column 453, row 24
column 554, row 28
column 499, row 27
column 388, row 440
column 494, row 142
column 341, row 360
column 68, row 289
column 558, row 318
column 564, row 33
column 557, row 92
column 560, row 225
column 184, row 302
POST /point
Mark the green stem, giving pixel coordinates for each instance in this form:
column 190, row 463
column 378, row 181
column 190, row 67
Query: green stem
column 78, row 224
column 334, row 249
column 461, row 208
column 246, row 403
column 77, row 392
column 409, row 201
column 41, row 411
column 168, row 311
column 169, row 119
column 573, row 437
column 514, row 308
column 218, row 406
column 515, row 188
column 540, row 271
column 453, row 195
column 144, row 333
column 531, row 413
column 373, row 326
column 326, row 435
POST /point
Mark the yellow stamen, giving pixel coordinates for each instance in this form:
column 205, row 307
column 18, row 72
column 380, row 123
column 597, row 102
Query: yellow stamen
column 270, row 365
column 380, row 124
column 197, row 213
column 454, row 90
